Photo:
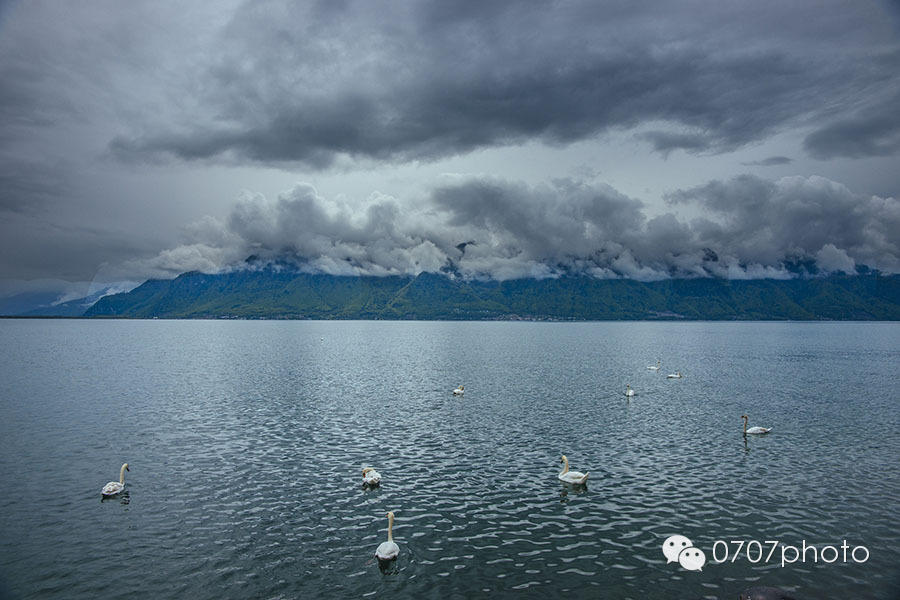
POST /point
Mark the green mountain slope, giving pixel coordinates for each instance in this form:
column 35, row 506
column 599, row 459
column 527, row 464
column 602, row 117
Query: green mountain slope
column 278, row 293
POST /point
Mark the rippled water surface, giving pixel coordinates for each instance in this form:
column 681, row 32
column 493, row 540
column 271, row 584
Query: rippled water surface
column 246, row 441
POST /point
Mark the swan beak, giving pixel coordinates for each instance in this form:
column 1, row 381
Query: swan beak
column 127, row 469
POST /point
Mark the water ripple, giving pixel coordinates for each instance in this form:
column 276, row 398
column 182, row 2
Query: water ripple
column 247, row 442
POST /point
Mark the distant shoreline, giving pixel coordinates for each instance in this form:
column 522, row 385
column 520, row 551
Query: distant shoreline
column 492, row 320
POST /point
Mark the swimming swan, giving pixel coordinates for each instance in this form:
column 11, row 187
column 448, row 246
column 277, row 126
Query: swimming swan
column 459, row 391
column 654, row 367
column 371, row 477
column 571, row 476
column 676, row 375
column 114, row 487
column 628, row 391
column 388, row 550
column 754, row 430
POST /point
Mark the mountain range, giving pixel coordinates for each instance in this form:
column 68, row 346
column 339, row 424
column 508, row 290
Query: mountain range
column 279, row 293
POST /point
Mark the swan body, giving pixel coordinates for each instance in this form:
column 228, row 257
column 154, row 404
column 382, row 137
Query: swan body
column 759, row 430
column 459, row 391
column 568, row 476
column 628, row 391
column 754, row 430
column 654, row 367
column 388, row 550
column 371, row 477
column 114, row 487
column 676, row 375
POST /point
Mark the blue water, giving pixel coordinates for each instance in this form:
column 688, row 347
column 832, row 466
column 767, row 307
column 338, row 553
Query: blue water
column 246, row 441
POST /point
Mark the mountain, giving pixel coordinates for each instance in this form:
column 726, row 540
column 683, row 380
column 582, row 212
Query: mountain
column 26, row 301
column 72, row 308
column 273, row 293
column 45, row 304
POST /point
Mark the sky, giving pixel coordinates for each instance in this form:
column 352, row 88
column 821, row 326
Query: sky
column 643, row 140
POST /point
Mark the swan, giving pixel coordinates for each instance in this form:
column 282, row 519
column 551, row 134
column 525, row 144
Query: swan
column 459, row 391
column 676, row 375
column 754, row 430
column 628, row 391
column 371, row 477
column 571, row 476
column 654, row 367
column 114, row 487
column 388, row 550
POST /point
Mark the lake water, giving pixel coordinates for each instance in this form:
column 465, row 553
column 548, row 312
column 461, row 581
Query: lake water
column 246, row 441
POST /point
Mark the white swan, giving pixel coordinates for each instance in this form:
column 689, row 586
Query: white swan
column 654, row 367
column 388, row 550
column 628, row 391
column 114, row 487
column 371, row 477
column 459, row 391
column 754, row 430
column 571, row 476
column 676, row 375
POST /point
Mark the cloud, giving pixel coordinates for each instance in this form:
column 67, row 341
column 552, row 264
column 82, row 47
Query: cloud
column 767, row 222
column 485, row 227
column 874, row 131
column 26, row 187
column 320, row 83
column 665, row 142
column 368, row 89
column 314, row 233
column 831, row 258
column 772, row 161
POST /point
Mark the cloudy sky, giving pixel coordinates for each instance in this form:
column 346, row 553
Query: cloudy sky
column 618, row 139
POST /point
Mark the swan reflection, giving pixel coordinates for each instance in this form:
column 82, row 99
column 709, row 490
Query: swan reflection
column 568, row 488
column 122, row 498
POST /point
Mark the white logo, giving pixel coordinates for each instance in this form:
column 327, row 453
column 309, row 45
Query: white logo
column 678, row 548
column 692, row 559
column 673, row 546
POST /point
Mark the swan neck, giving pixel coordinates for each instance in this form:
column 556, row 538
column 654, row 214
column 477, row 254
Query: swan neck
column 565, row 466
column 745, row 425
column 390, row 528
column 122, row 474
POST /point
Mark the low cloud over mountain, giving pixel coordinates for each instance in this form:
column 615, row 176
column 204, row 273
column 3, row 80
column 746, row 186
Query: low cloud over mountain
column 482, row 227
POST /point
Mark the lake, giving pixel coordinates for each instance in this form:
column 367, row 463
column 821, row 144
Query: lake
column 246, row 441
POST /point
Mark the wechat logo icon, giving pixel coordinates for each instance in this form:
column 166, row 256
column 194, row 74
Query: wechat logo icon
column 678, row 548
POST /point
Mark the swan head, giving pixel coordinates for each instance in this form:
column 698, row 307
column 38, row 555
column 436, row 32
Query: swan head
column 126, row 467
column 563, row 459
column 367, row 469
column 745, row 417
column 390, row 514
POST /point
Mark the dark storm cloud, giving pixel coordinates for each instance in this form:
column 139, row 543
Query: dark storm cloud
column 26, row 186
column 772, row 161
column 665, row 142
column 874, row 131
column 400, row 82
column 74, row 254
column 364, row 84
column 482, row 227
